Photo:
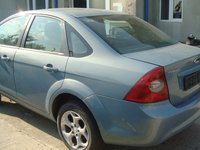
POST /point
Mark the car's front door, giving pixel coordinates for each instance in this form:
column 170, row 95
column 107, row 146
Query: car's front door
column 10, row 33
column 40, row 65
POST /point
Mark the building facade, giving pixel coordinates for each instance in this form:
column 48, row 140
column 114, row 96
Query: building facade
column 133, row 7
column 178, row 18
column 10, row 7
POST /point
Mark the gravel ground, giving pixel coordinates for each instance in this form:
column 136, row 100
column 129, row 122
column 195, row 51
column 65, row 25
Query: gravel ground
column 21, row 129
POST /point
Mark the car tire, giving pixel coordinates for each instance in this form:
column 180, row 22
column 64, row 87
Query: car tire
column 77, row 128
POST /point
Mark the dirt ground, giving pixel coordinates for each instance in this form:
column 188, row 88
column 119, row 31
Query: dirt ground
column 21, row 129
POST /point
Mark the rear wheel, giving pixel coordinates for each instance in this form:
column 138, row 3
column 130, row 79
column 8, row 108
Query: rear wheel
column 77, row 128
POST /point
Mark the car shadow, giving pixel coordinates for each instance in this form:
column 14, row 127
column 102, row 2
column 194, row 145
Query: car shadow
column 36, row 120
column 187, row 140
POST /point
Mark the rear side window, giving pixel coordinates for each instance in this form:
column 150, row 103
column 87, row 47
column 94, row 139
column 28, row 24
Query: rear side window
column 46, row 34
column 11, row 30
column 127, row 34
column 77, row 45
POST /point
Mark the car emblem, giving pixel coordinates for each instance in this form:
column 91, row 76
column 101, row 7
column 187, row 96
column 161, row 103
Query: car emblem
column 197, row 60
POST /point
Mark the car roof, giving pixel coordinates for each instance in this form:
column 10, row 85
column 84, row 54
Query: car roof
column 75, row 12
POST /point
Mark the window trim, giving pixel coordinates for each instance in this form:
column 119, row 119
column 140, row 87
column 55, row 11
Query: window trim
column 170, row 14
column 65, row 46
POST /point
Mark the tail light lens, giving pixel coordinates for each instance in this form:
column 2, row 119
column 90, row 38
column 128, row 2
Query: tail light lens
column 152, row 87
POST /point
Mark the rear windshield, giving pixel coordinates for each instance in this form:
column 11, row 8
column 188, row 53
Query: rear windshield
column 127, row 34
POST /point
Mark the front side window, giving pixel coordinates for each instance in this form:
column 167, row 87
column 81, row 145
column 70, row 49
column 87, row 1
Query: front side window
column 171, row 10
column 127, row 34
column 45, row 34
column 11, row 30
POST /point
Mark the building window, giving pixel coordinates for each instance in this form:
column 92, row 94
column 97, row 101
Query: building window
column 74, row 3
column 177, row 9
column 164, row 9
column 128, row 6
column 37, row 4
column 171, row 10
column 42, row 4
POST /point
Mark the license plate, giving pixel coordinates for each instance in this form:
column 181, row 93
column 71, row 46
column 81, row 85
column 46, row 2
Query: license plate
column 191, row 80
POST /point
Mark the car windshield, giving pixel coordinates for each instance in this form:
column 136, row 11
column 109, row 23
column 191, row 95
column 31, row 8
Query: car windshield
column 127, row 34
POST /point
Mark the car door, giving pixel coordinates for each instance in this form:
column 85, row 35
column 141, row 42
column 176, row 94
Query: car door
column 40, row 64
column 10, row 33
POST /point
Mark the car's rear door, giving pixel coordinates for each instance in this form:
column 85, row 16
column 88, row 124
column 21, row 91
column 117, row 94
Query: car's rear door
column 40, row 64
column 11, row 31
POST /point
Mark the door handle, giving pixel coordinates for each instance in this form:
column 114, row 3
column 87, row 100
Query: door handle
column 50, row 68
column 5, row 57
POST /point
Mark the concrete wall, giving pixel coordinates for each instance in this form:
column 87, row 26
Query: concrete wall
column 5, row 11
column 152, row 12
column 179, row 30
column 191, row 18
column 140, row 8
column 10, row 7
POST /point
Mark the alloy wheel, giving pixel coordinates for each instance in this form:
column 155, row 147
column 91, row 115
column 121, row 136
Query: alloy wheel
column 74, row 130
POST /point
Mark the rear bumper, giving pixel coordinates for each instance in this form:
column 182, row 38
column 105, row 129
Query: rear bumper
column 127, row 123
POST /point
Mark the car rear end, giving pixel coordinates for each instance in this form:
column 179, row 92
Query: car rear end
column 169, row 94
column 164, row 100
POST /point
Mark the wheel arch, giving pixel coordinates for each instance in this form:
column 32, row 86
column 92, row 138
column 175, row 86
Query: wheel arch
column 73, row 90
column 69, row 88
column 63, row 98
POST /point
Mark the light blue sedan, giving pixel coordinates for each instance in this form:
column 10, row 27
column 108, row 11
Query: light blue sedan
column 105, row 77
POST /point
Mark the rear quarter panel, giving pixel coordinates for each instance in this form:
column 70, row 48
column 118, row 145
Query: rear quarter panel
column 105, row 71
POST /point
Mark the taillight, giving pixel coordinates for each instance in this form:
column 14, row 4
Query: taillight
column 152, row 87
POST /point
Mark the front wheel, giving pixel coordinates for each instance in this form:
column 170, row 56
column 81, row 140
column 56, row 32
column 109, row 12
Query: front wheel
column 77, row 128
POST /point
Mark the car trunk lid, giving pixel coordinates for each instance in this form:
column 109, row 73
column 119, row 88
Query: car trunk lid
column 182, row 69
